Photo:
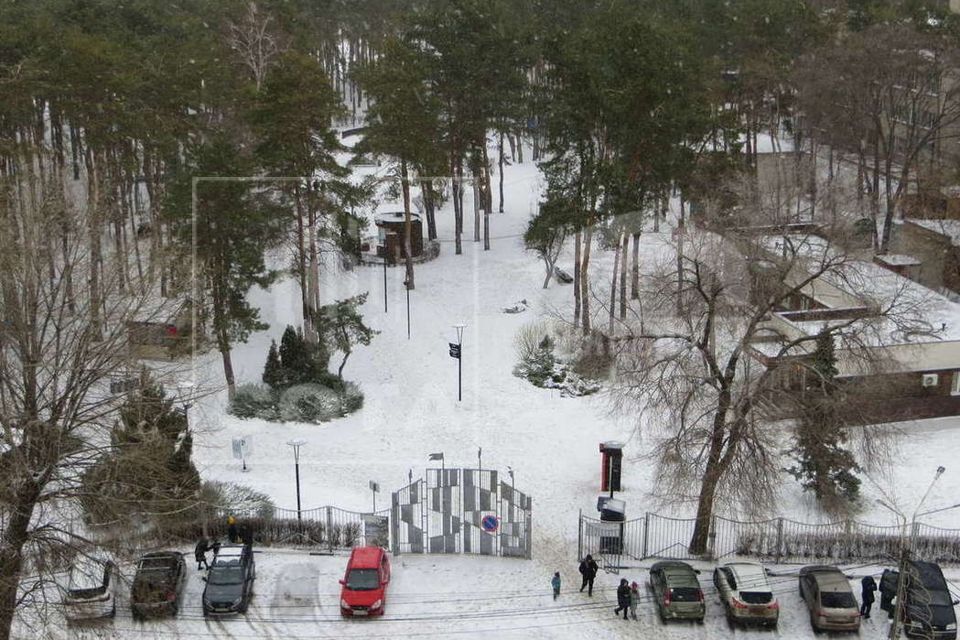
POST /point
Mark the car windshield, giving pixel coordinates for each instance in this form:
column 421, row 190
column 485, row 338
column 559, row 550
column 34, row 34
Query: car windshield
column 225, row 575
column 684, row 594
column 363, row 580
column 837, row 600
column 756, row 597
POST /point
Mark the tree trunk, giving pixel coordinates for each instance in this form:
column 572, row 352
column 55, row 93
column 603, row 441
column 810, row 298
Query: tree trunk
column 549, row 265
column 93, row 229
column 302, row 262
column 681, row 232
column 519, row 149
column 585, row 280
column 711, row 477
column 577, row 240
column 455, row 188
column 343, row 363
column 14, row 537
column 623, row 275
column 500, row 173
column 613, row 286
column 223, row 344
column 476, row 207
column 635, row 276
column 426, row 186
column 407, row 223
column 313, row 273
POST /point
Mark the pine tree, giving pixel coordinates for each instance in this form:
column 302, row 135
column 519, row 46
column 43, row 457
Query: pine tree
column 341, row 327
column 823, row 464
column 273, row 373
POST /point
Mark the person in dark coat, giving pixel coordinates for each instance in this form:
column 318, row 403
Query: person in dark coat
column 868, row 587
column 588, row 569
column 888, row 590
column 200, row 553
column 623, row 598
column 232, row 534
column 555, row 583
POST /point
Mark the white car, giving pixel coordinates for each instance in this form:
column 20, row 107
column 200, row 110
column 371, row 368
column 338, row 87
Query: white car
column 91, row 589
column 746, row 594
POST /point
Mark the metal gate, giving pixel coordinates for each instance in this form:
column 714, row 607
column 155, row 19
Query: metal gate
column 461, row 511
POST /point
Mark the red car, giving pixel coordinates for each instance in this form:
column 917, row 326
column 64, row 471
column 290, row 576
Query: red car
column 364, row 590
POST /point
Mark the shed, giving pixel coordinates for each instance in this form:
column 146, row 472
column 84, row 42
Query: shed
column 161, row 331
column 390, row 231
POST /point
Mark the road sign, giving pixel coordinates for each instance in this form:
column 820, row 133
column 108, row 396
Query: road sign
column 490, row 523
column 375, row 487
column 241, row 447
column 454, row 350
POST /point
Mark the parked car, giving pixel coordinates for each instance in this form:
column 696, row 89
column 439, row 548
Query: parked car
column 677, row 591
column 364, row 585
column 91, row 589
column 230, row 580
column 829, row 599
column 746, row 594
column 158, row 584
column 927, row 604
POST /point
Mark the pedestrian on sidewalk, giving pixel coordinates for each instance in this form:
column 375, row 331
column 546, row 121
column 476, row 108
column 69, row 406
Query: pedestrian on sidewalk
column 556, row 584
column 868, row 587
column 588, row 569
column 200, row 554
column 888, row 590
column 634, row 599
column 623, row 598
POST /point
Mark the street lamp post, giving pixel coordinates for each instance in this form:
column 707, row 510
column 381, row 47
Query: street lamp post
column 296, row 444
column 459, row 328
column 905, row 549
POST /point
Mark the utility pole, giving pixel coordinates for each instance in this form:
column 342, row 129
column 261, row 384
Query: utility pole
column 406, row 285
column 296, row 444
column 385, row 284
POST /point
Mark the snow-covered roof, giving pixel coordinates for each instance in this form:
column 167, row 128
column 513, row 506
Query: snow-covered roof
column 948, row 228
column 897, row 259
column 393, row 216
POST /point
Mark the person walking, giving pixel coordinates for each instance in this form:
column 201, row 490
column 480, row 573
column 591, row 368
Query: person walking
column 555, row 583
column 232, row 534
column 588, row 569
column 200, row 554
column 888, row 590
column 634, row 599
column 623, row 598
column 868, row 586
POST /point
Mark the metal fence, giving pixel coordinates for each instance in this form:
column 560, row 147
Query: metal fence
column 774, row 540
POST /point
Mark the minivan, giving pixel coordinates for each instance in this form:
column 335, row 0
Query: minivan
column 927, row 603
column 364, row 586
column 91, row 589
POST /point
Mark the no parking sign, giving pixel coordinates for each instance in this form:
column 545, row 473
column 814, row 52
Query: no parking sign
column 490, row 523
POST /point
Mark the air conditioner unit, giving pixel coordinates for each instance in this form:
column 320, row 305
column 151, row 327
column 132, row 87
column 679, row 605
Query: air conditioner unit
column 930, row 380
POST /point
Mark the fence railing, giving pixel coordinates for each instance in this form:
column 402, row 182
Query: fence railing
column 774, row 540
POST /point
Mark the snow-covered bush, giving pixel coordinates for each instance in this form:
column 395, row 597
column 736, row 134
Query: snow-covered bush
column 310, row 403
column 543, row 368
column 529, row 337
column 254, row 401
column 233, row 498
column 352, row 397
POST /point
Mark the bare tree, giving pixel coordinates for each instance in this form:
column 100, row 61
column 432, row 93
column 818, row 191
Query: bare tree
column 712, row 372
column 56, row 362
column 890, row 96
column 256, row 44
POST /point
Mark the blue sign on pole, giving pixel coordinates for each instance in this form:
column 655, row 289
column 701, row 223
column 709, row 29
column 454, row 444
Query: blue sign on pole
column 490, row 523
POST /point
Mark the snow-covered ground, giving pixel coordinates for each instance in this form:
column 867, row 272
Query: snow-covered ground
column 411, row 410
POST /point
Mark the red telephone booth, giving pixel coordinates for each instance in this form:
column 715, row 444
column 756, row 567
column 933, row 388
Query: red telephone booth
column 611, row 456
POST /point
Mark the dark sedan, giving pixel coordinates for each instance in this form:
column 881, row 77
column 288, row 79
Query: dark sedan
column 229, row 581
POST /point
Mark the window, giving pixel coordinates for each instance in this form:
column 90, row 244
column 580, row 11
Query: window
column 955, row 388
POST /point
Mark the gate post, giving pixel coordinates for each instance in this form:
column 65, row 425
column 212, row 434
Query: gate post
column 394, row 512
column 646, row 532
column 779, row 541
column 580, row 536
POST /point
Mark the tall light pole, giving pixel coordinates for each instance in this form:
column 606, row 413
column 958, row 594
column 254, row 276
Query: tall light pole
column 904, row 550
column 459, row 357
column 296, row 444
